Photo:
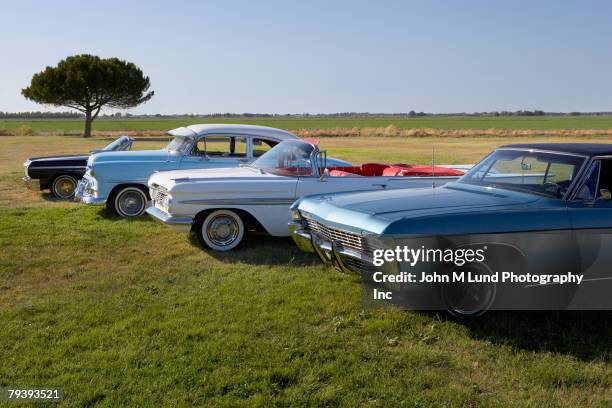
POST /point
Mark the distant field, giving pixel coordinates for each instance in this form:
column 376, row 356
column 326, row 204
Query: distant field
column 536, row 123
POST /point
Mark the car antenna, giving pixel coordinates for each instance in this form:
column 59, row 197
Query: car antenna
column 433, row 166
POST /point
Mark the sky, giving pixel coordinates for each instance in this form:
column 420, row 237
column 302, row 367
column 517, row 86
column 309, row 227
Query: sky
column 326, row 56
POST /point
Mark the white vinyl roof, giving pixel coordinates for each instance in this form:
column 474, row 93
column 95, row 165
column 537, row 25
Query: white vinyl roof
column 263, row 131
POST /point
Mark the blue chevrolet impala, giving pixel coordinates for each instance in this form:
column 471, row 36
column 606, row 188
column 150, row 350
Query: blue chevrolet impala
column 536, row 209
column 119, row 179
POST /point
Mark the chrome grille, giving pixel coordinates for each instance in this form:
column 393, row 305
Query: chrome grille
column 348, row 240
column 158, row 194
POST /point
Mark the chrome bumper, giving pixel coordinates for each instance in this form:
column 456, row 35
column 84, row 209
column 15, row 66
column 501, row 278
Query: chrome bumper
column 178, row 223
column 301, row 238
column 80, row 195
column 331, row 253
column 32, row 184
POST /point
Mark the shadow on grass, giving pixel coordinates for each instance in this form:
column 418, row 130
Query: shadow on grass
column 262, row 249
column 47, row 196
column 107, row 214
column 586, row 335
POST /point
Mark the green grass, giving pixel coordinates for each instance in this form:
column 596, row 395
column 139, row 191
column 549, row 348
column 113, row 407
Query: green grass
column 131, row 313
column 536, row 123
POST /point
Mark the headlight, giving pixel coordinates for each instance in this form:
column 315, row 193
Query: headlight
column 89, row 170
column 165, row 202
column 295, row 214
column 90, row 188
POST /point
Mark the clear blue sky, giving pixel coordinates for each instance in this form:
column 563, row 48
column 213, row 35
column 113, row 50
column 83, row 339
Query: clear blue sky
column 327, row 56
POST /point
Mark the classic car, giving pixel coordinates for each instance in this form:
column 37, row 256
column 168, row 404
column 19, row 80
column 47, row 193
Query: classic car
column 222, row 204
column 119, row 179
column 60, row 174
column 536, row 209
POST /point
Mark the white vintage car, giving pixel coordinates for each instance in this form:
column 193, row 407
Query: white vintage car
column 221, row 205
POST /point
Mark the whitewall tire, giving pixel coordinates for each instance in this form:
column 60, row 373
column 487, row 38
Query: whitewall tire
column 221, row 230
column 130, row 202
column 63, row 187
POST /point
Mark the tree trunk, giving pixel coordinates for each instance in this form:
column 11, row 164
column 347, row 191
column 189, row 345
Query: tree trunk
column 88, row 120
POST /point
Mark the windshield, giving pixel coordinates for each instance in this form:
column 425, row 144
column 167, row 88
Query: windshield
column 119, row 144
column 179, row 144
column 548, row 174
column 289, row 158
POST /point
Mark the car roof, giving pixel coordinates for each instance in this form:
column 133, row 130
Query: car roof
column 585, row 149
column 263, row 131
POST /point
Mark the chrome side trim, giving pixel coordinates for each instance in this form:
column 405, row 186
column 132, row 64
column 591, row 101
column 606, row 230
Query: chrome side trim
column 241, row 201
column 522, row 149
column 58, row 167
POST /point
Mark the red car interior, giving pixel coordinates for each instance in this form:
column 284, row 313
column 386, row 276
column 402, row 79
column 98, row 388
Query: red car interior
column 393, row 170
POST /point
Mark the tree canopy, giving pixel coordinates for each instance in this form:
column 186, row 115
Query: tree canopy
column 87, row 83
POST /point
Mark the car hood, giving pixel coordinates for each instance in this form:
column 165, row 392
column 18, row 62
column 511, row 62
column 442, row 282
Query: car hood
column 83, row 156
column 375, row 210
column 168, row 179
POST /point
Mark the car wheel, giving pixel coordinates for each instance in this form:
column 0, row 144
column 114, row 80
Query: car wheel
column 221, row 230
column 469, row 299
column 63, row 187
column 130, row 202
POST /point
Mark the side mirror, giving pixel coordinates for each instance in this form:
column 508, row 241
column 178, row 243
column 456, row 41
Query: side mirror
column 324, row 175
column 605, row 194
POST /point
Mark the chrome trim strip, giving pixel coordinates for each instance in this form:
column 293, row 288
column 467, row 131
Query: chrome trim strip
column 241, row 201
column 57, row 167
column 68, row 157
column 522, row 149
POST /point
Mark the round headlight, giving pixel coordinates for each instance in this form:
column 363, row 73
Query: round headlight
column 166, row 202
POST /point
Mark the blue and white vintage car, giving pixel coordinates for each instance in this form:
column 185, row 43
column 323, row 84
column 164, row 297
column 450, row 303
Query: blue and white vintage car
column 119, row 179
column 537, row 210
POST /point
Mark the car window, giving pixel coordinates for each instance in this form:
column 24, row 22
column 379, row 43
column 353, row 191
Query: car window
column 605, row 177
column 599, row 177
column 221, row 146
column 588, row 189
column 261, row 146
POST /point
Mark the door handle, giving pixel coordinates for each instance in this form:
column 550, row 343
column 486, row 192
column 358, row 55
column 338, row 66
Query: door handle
column 380, row 185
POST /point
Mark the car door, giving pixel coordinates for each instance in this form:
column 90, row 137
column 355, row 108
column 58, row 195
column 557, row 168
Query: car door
column 591, row 214
column 217, row 151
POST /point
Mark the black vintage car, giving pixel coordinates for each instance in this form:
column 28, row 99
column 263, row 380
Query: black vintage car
column 60, row 174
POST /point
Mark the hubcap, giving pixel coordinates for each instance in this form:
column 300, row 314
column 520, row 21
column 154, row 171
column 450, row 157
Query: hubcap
column 64, row 187
column 131, row 203
column 470, row 298
column 222, row 230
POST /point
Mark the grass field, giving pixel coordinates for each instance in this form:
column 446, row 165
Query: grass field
column 538, row 123
column 130, row 313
